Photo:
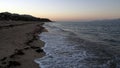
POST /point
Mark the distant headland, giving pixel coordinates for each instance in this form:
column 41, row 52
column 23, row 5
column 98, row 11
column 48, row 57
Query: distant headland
column 7, row 16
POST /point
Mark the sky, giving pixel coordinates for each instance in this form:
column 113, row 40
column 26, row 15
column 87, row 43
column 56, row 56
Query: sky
column 64, row 10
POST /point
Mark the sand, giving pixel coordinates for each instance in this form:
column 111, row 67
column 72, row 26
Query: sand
column 19, row 44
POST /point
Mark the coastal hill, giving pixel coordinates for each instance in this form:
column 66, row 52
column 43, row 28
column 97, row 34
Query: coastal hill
column 6, row 16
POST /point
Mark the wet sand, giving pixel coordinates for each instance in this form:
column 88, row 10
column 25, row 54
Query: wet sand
column 19, row 44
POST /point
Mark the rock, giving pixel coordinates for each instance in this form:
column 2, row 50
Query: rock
column 4, row 58
column 34, row 47
column 13, row 63
column 19, row 52
column 39, row 50
column 26, row 48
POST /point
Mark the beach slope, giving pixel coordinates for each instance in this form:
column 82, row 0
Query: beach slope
column 20, row 44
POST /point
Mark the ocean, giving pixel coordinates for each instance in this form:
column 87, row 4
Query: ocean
column 81, row 45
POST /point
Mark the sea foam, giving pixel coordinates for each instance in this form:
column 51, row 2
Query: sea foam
column 64, row 49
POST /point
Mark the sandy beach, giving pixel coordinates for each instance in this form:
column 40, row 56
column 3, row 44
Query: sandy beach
column 19, row 44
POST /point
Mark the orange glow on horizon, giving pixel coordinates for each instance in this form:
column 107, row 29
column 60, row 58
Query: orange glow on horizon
column 68, row 10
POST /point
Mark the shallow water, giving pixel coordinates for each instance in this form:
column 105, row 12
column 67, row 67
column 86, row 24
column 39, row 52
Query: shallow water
column 66, row 46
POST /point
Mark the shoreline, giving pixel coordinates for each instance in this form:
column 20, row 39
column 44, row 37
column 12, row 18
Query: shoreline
column 20, row 44
column 88, row 52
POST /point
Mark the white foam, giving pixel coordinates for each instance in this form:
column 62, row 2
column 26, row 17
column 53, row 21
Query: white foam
column 61, row 53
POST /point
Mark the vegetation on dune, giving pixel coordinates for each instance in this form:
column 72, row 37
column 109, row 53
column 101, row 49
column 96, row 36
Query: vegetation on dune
column 17, row 17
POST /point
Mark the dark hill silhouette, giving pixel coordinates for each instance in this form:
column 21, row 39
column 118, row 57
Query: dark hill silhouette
column 17, row 17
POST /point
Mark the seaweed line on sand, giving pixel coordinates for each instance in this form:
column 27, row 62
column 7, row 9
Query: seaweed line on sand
column 10, row 61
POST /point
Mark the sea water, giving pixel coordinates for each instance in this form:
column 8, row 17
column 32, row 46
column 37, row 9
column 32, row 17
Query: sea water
column 81, row 45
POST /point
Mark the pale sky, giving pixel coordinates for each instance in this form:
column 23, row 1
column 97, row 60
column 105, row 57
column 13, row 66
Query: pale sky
column 64, row 10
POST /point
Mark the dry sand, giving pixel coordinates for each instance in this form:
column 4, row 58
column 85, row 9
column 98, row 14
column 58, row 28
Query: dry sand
column 19, row 44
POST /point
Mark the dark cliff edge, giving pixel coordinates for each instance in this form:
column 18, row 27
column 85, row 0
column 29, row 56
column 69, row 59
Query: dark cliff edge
column 6, row 16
